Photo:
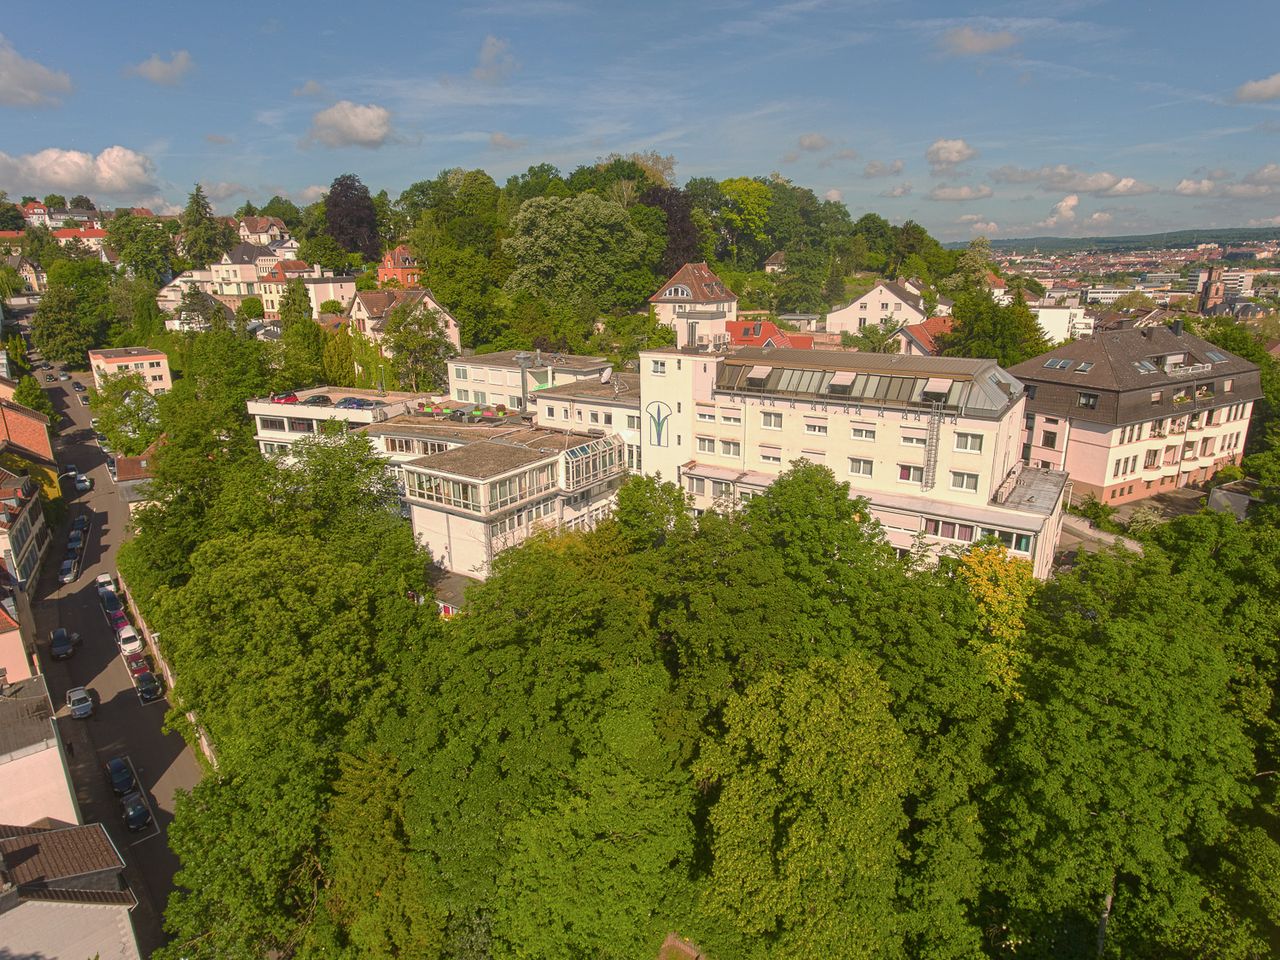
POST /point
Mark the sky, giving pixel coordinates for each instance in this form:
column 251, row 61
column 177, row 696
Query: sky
column 1005, row 119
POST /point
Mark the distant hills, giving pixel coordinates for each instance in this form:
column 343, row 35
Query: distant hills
column 1147, row 241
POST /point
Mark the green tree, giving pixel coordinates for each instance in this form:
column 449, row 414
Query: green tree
column 1135, row 300
column 29, row 393
column 332, row 306
column 11, row 217
column 742, row 216
column 145, row 246
column 983, row 328
column 302, row 341
column 351, row 218
column 55, row 201
column 415, row 336
column 250, row 309
column 811, row 776
column 205, row 238
column 127, row 413
column 73, row 315
column 324, row 250
column 874, row 338
column 338, row 361
column 81, row 202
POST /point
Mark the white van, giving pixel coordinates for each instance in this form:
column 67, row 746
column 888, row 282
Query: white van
column 129, row 641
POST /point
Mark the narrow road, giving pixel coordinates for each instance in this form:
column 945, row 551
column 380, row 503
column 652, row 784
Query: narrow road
column 122, row 724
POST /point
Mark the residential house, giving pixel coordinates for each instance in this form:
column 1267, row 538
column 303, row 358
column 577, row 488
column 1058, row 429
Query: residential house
column 236, row 274
column 36, row 214
column 322, row 289
column 923, row 339
column 286, row 249
column 170, row 294
column 998, row 289
column 33, row 769
column 195, row 321
column 261, row 231
column 399, row 264
column 273, row 283
column 886, row 302
column 1063, row 323
column 91, row 219
column 605, row 404
column 93, row 238
column 24, row 435
column 278, row 425
column 1130, row 413
column 777, row 262
column 919, row 287
column 33, row 276
column 151, row 365
column 64, row 894
column 371, row 308
column 932, row 443
column 697, row 305
column 510, row 377
column 24, row 537
column 133, row 476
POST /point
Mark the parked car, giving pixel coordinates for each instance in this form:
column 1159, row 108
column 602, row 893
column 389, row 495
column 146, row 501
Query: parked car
column 93, row 424
column 118, row 620
column 69, row 570
column 64, row 375
column 104, row 581
column 100, row 437
column 138, row 664
column 84, row 483
column 63, row 643
column 135, row 813
column 84, row 401
column 81, row 703
column 111, row 465
column 81, row 522
column 69, row 470
column 149, row 687
column 119, row 773
column 75, row 540
column 318, row 400
column 289, row 397
column 49, row 378
column 351, row 403
column 129, row 641
column 108, row 597
column 78, row 387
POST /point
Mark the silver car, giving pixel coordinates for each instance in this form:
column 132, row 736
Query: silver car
column 80, row 702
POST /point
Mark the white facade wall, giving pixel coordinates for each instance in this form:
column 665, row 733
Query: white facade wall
column 1063, row 323
column 876, row 306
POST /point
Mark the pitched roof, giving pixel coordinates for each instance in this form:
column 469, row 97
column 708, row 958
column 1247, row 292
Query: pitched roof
column 247, row 253
column 927, row 332
column 763, row 333
column 703, row 285
column 262, row 224
column 40, row 857
column 90, row 233
column 776, row 259
column 1118, row 360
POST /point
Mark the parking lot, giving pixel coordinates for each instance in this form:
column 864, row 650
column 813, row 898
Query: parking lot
column 122, row 724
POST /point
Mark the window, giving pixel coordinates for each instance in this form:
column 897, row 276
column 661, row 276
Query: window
column 153, row 364
column 884, row 306
column 1145, row 366
column 731, row 448
column 1215, row 356
column 707, row 416
column 1228, row 386
column 399, row 445
column 910, row 474
column 697, row 485
column 481, row 397
column 608, row 419
column 964, row 481
column 771, row 454
column 633, row 422
column 862, row 433
column 1088, row 400
column 859, row 467
column 633, row 457
column 706, row 445
column 862, row 306
column 551, row 413
column 721, row 488
column 819, row 429
column 579, row 415
column 1156, row 397
column 595, row 416
column 1152, row 459
column 658, row 368
column 270, row 423
column 464, row 396
column 297, row 425
column 969, row 442
column 915, row 439
column 731, row 416
column 771, row 421
column 564, row 412
column 1049, row 440
column 1056, row 363
column 460, row 373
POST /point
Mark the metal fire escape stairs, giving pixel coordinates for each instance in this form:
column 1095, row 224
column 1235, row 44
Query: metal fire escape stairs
column 931, row 446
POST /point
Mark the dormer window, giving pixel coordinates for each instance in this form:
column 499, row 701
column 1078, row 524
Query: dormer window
column 678, row 291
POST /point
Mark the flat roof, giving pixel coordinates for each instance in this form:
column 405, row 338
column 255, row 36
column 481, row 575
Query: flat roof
column 894, row 364
column 125, row 353
column 445, row 428
column 493, row 456
column 337, row 393
column 507, row 358
column 26, row 717
column 1037, row 490
column 623, row 388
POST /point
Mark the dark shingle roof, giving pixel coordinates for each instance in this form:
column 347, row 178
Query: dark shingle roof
column 49, row 856
column 702, row 282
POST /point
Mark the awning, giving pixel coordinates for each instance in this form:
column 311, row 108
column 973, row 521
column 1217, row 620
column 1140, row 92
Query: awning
column 843, row 378
column 759, row 372
column 937, row 385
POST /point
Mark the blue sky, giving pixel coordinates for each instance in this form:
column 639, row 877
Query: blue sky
column 1009, row 119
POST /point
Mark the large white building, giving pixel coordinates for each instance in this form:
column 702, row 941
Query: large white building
column 508, row 378
column 934, row 444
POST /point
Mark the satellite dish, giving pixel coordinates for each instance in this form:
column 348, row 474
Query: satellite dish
column 605, row 374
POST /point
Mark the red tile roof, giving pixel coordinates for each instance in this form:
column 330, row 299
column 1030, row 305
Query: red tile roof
column 703, row 285
column 765, row 333
column 67, row 233
column 926, row 333
column 262, row 224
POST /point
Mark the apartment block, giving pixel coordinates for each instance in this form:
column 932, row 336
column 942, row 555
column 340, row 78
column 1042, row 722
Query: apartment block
column 24, row 536
column 281, row 421
column 151, row 365
column 608, row 404
column 1133, row 412
column 932, row 443
column 508, row 377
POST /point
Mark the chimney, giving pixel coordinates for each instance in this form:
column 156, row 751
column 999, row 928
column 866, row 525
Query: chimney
column 537, row 357
column 1177, row 327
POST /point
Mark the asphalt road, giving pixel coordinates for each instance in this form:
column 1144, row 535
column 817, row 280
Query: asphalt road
column 122, row 724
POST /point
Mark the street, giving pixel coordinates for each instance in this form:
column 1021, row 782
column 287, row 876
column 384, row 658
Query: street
column 122, row 725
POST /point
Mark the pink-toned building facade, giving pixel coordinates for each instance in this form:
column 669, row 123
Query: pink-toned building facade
column 399, row 264
column 1134, row 412
column 697, row 305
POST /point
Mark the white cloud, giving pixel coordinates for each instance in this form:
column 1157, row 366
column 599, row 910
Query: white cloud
column 878, row 168
column 1254, row 91
column 312, row 88
column 116, row 170
column 846, row 154
column 945, row 154
column 164, row 72
column 1064, row 177
column 496, row 62
column 223, row 190
column 835, row 196
column 347, row 124
column 901, row 190
column 1270, row 174
column 501, row 141
column 312, row 193
column 1099, row 219
column 159, row 205
column 1195, row 188
column 1246, row 191
column 984, row 228
column 813, row 142
column 1266, row 222
column 943, row 192
column 968, row 42
column 1064, row 212
column 25, row 83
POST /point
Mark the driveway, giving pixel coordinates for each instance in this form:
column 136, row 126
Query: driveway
column 122, row 724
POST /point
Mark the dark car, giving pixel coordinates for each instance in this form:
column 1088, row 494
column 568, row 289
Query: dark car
column 50, row 378
column 110, row 600
column 75, row 540
column 319, row 400
column 120, row 775
column 135, row 813
column 354, row 403
column 78, row 387
column 290, row 397
column 81, row 522
column 63, row 643
column 149, row 687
